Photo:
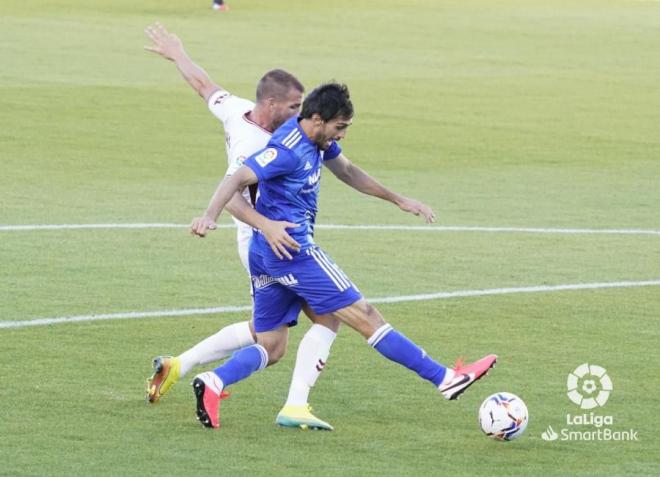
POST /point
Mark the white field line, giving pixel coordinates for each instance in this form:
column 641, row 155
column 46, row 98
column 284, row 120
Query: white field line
column 407, row 228
column 31, row 228
column 388, row 299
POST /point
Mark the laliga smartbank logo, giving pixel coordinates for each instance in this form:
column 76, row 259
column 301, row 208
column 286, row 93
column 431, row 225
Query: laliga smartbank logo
column 589, row 387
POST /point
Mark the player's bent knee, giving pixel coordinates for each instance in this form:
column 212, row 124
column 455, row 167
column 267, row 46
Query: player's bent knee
column 362, row 317
column 275, row 356
column 374, row 318
column 276, row 352
column 329, row 321
column 275, row 346
column 370, row 321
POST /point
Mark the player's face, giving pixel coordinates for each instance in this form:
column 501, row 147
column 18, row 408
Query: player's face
column 286, row 108
column 332, row 130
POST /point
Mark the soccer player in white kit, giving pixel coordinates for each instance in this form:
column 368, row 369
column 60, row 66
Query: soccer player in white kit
column 248, row 128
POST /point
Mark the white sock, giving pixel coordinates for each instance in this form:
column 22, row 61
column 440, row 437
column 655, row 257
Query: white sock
column 312, row 355
column 449, row 375
column 212, row 381
column 220, row 345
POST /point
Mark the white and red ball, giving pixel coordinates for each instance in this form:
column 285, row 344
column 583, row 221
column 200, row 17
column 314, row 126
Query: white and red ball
column 503, row 416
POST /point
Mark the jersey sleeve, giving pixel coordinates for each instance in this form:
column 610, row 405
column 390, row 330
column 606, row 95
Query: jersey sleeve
column 272, row 162
column 224, row 105
column 332, row 152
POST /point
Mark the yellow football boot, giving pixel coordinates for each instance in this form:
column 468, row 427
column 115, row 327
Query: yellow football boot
column 301, row 417
column 166, row 373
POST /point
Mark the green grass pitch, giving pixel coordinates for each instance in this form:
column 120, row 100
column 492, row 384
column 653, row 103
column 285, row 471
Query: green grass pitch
column 497, row 113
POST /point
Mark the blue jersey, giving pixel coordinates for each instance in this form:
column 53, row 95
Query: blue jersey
column 289, row 173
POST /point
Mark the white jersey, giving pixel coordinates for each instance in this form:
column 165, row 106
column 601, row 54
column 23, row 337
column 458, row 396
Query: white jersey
column 243, row 138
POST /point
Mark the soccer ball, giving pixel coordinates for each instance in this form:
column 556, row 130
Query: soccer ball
column 503, row 416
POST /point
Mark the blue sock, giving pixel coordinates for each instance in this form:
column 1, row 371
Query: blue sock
column 242, row 364
column 395, row 346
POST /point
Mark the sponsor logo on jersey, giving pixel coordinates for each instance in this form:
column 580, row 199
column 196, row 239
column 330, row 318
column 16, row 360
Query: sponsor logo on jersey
column 314, row 177
column 266, row 157
column 263, row 281
column 287, row 280
column 308, row 166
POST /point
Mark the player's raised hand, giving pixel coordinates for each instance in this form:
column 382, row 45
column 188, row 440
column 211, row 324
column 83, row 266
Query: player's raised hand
column 417, row 208
column 201, row 225
column 166, row 44
column 279, row 240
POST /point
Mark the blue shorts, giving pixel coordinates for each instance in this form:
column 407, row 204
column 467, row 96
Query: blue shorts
column 280, row 287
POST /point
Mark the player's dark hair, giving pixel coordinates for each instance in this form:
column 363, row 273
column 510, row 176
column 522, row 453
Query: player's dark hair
column 277, row 84
column 330, row 100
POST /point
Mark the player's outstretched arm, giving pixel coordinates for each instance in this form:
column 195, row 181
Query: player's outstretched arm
column 274, row 231
column 355, row 177
column 238, row 181
column 170, row 47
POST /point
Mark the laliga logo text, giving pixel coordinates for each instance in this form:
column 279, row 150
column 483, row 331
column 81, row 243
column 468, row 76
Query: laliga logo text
column 589, row 387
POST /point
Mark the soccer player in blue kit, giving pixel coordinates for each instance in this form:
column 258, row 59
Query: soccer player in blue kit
column 288, row 172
